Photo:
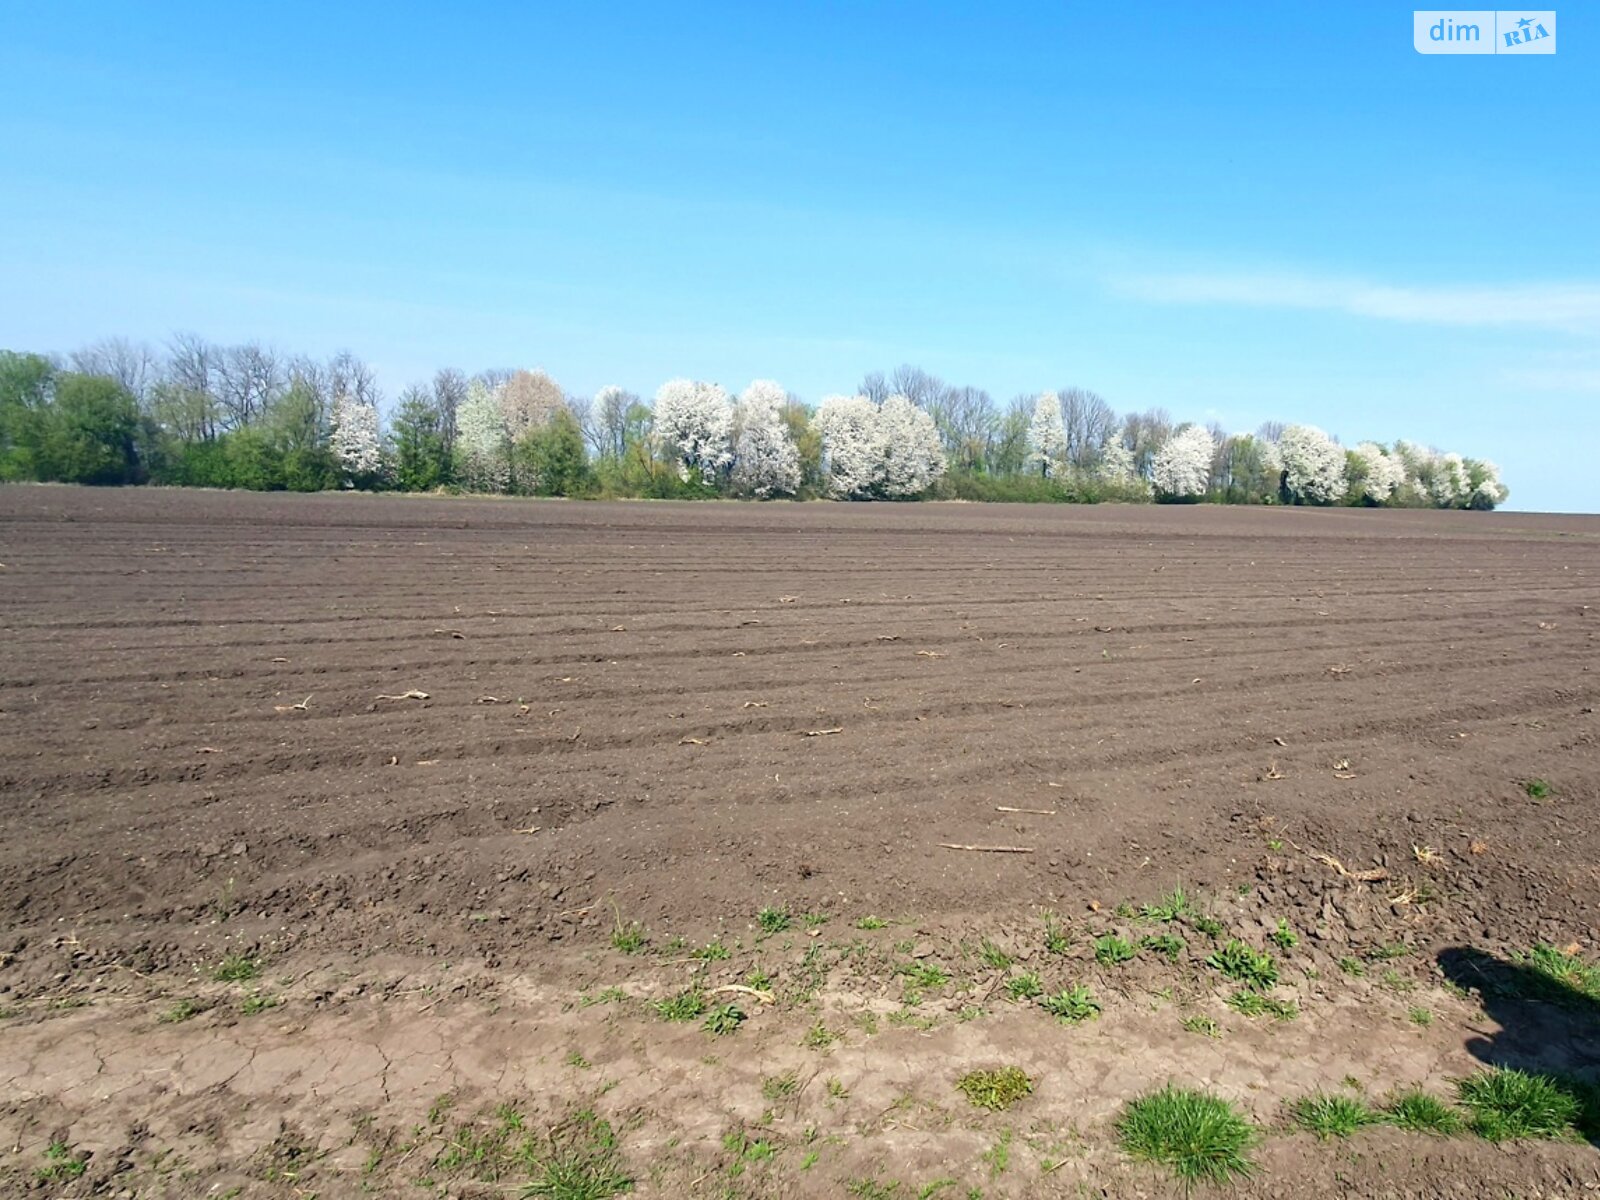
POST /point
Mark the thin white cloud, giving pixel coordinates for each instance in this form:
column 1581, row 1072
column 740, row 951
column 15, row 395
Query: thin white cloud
column 1568, row 307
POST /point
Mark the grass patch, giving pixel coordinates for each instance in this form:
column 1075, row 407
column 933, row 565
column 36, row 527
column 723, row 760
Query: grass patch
column 819, row 1037
column 1256, row 969
column 780, row 1087
column 580, row 1162
column 723, row 1019
column 1284, row 937
column 773, row 920
column 1329, row 1115
column 183, row 1010
column 1169, row 908
column 1112, row 951
column 995, row 1090
column 712, row 952
column 1209, row 926
column 61, row 1162
column 1564, row 973
column 1352, row 967
column 924, row 975
column 1168, row 945
column 1203, row 1025
column 1537, row 789
column 1071, row 1005
column 1196, row 1135
column 1254, row 1004
column 1421, row 1017
column 872, row 923
column 1419, row 1112
column 685, row 1006
column 257, row 1003
column 630, row 938
column 1056, row 938
column 1026, row 986
column 993, row 956
column 1507, row 1105
column 236, row 968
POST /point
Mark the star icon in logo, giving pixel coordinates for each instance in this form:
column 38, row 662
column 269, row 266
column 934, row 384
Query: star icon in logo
column 1525, row 22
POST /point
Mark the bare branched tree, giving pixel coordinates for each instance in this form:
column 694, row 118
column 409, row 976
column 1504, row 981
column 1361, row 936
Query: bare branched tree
column 1089, row 423
column 874, row 387
column 132, row 364
column 249, row 378
column 449, row 390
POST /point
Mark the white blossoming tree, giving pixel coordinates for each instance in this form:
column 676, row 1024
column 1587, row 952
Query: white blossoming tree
column 765, row 461
column 353, row 437
column 852, row 455
column 1382, row 473
column 1313, row 465
column 1116, row 464
column 1450, row 486
column 694, row 424
column 1047, row 436
column 871, row 451
column 482, row 446
column 913, row 451
column 1487, row 490
column 1181, row 469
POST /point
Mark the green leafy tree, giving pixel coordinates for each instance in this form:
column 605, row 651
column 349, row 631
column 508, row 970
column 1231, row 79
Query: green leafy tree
column 421, row 451
column 87, row 434
column 26, row 382
column 551, row 460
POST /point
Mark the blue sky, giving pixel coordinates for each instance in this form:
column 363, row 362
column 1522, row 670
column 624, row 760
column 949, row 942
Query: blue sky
column 1240, row 213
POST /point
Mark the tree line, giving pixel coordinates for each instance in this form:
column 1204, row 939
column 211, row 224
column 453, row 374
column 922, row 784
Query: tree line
column 199, row 414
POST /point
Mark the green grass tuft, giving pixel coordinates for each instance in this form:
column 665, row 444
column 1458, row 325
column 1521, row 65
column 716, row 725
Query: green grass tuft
column 1026, row 986
column 773, row 920
column 629, row 938
column 1253, row 1004
column 1169, row 908
column 723, row 1019
column 1071, row 1005
column 1537, row 789
column 580, row 1163
column 1419, row 1112
column 1169, row 945
column 1256, row 969
column 236, row 968
column 1111, row 950
column 993, row 956
column 685, row 1006
column 1056, row 939
column 995, row 1090
column 61, row 1163
column 1331, row 1115
column 1564, row 973
column 1197, row 1135
column 1507, row 1104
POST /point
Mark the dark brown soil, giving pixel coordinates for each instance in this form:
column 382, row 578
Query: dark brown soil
column 678, row 714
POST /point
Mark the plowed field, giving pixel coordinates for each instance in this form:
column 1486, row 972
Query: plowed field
column 407, row 768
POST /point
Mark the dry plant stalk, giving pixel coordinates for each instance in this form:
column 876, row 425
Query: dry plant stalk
column 412, row 694
column 303, row 706
column 988, row 849
column 1036, row 812
column 822, row 732
column 1374, row 875
column 743, row 990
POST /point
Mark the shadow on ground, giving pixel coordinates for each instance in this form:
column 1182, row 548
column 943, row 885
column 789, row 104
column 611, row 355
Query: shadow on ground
column 1546, row 1009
